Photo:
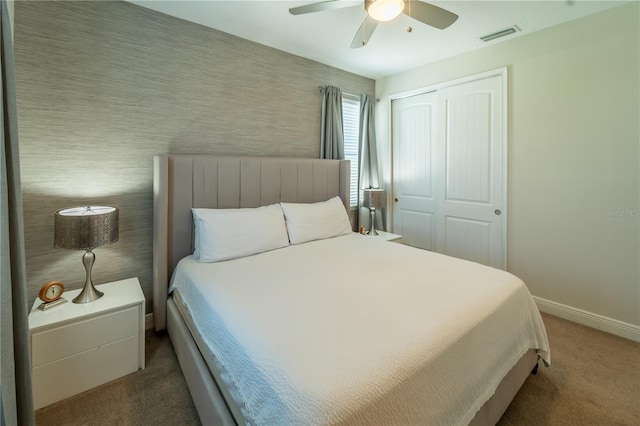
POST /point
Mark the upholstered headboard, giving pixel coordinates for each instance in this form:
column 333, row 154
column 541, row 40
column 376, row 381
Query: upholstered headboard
column 181, row 182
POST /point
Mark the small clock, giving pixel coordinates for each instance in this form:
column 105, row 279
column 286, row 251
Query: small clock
column 51, row 294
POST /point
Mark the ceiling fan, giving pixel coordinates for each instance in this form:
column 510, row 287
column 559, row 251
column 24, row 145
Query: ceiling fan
column 384, row 10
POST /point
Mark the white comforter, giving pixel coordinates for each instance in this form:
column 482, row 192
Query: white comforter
column 356, row 330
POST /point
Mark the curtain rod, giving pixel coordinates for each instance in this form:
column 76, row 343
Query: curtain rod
column 345, row 93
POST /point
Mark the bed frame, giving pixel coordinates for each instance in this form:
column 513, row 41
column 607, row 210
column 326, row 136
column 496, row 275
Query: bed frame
column 181, row 182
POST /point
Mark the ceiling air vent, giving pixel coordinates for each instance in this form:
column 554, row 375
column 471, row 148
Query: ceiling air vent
column 502, row 33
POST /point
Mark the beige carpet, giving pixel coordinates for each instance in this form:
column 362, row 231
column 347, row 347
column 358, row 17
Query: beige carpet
column 594, row 380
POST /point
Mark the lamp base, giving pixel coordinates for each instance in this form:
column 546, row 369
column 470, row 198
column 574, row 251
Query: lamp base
column 89, row 292
column 372, row 229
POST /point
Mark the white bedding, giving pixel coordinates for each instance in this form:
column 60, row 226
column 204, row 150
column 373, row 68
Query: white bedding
column 357, row 330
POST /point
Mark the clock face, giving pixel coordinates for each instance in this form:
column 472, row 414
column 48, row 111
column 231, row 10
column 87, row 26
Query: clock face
column 51, row 291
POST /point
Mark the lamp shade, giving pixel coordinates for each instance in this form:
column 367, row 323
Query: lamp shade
column 374, row 198
column 87, row 227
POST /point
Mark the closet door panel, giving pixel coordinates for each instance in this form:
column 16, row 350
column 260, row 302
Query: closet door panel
column 471, row 137
column 414, row 144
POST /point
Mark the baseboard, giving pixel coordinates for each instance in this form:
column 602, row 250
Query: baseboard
column 148, row 321
column 610, row 325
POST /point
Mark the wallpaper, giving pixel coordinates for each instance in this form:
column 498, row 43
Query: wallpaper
column 103, row 86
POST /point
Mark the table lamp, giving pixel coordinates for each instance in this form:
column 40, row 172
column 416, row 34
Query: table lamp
column 85, row 228
column 373, row 198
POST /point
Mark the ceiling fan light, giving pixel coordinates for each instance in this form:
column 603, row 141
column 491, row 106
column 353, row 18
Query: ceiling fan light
column 384, row 10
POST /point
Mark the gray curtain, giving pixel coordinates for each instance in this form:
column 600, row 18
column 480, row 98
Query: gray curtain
column 369, row 175
column 15, row 367
column 331, row 132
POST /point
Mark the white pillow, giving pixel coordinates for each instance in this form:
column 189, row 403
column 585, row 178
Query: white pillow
column 308, row 222
column 224, row 234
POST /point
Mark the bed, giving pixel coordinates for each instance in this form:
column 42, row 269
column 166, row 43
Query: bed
column 316, row 332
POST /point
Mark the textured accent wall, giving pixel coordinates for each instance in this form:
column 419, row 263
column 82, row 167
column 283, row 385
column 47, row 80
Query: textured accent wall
column 103, row 86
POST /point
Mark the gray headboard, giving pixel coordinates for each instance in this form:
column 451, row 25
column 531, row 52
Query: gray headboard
column 181, row 182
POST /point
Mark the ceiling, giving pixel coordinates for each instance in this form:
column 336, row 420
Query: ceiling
column 326, row 36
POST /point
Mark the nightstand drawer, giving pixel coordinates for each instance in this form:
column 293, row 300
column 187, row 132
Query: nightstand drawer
column 66, row 340
column 69, row 376
column 75, row 347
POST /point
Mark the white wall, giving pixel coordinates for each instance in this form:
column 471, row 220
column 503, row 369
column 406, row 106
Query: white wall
column 574, row 184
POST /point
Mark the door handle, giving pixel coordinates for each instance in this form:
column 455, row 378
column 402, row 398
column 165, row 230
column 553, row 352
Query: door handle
column 395, row 199
column 498, row 212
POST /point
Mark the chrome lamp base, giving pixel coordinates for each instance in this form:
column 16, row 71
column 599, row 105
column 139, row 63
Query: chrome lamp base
column 372, row 229
column 89, row 292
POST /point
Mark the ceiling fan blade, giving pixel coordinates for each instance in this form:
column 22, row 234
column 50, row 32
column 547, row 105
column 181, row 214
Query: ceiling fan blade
column 364, row 33
column 320, row 6
column 429, row 14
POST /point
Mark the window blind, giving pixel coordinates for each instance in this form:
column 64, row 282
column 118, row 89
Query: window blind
column 350, row 126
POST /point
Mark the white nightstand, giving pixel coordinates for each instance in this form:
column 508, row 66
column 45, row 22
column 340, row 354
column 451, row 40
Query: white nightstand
column 75, row 347
column 389, row 236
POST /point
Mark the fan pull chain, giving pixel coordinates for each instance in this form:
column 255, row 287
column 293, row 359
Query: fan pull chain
column 364, row 31
column 409, row 29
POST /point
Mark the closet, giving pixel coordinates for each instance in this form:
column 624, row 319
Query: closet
column 449, row 169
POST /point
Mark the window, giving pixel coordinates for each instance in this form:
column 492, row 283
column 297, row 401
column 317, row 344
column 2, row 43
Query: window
column 351, row 128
